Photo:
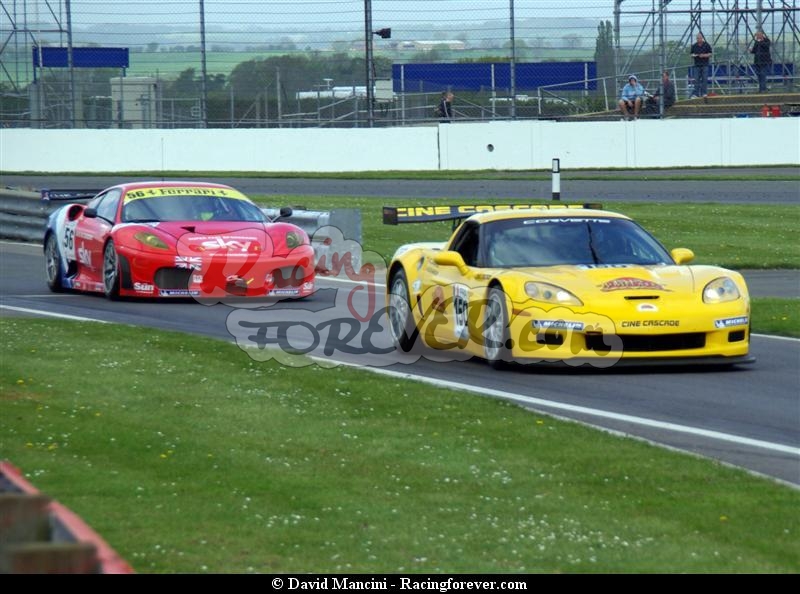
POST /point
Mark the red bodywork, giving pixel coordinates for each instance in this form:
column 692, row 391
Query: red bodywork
column 197, row 258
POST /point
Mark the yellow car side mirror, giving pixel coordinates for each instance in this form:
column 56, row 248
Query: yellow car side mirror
column 448, row 258
column 682, row 255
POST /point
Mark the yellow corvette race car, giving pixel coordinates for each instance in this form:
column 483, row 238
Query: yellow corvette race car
column 574, row 284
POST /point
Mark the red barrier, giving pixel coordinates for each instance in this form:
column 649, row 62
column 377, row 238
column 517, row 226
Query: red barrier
column 107, row 558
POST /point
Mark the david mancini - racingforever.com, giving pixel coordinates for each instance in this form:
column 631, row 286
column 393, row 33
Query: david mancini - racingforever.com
column 344, row 583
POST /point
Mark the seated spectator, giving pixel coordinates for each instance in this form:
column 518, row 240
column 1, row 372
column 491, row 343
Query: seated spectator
column 667, row 89
column 630, row 102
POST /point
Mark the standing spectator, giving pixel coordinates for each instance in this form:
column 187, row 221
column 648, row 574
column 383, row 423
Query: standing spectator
column 445, row 109
column 762, row 60
column 701, row 52
column 630, row 102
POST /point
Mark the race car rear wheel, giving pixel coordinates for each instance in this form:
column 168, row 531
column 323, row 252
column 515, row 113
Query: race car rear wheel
column 52, row 264
column 496, row 335
column 401, row 320
column 111, row 271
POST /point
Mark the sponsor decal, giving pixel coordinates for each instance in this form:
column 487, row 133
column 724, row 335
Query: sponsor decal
column 178, row 293
column 631, row 283
column 728, row 322
column 557, row 325
column 438, row 301
column 284, row 292
column 561, row 220
column 193, row 262
column 88, row 286
column 416, row 285
column 197, row 278
column 309, row 286
column 650, row 323
column 84, row 256
column 597, row 266
column 230, row 245
column 143, row 287
column 159, row 192
column 645, row 307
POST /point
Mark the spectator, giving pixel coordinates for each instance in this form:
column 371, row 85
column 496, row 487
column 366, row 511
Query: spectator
column 701, row 52
column 445, row 109
column 762, row 60
column 666, row 90
column 630, row 102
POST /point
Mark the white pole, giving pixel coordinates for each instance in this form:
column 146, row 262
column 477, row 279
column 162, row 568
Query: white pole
column 556, row 179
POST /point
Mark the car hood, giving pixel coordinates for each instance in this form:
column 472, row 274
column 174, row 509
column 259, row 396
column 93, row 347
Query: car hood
column 601, row 281
column 210, row 238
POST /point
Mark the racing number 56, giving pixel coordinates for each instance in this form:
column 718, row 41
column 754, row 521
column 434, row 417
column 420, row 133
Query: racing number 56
column 69, row 239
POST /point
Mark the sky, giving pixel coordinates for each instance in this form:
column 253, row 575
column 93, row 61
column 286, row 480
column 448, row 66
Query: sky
column 319, row 23
column 319, row 12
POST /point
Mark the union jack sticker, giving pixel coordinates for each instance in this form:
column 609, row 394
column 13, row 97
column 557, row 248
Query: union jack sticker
column 192, row 262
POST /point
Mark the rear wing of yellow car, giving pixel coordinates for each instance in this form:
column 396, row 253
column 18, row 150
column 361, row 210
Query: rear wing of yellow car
column 396, row 215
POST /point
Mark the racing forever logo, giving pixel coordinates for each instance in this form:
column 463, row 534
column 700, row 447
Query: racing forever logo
column 349, row 321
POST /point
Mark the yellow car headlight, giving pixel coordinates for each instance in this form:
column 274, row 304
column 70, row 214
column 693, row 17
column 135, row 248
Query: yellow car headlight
column 550, row 294
column 721, row 290
column 150, row 240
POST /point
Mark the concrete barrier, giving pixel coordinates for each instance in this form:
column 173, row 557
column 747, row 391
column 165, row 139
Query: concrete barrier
column 519, row 145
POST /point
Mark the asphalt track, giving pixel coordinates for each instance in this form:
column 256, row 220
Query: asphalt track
column 747, row 415
column 649, row 185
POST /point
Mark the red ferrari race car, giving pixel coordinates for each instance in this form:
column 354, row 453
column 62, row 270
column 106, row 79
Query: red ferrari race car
column 176, row 239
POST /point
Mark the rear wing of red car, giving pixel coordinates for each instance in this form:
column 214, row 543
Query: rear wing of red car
column 396, row 215
column 68, row 195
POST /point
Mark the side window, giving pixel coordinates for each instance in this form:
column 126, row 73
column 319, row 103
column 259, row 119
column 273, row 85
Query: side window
column 466, row 244
column 107, row 208
column 95, row 202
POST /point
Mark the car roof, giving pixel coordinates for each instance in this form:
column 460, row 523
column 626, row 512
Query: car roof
column 550, row 212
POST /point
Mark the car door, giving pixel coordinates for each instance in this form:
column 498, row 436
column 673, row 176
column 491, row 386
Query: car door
column 450, row 293
column 91, row 234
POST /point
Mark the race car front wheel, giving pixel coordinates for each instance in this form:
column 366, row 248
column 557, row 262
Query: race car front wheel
column 52, row 264
column 111, row 271
column 496, row 335
column 401, row 320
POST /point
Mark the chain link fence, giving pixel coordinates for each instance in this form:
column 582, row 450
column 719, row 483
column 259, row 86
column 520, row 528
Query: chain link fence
column 345, row 63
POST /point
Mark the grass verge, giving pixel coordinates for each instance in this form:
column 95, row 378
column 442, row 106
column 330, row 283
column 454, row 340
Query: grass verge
column 732, row 235
column 776, row 316
column 188, row 456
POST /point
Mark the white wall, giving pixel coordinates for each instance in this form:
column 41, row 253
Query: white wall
column 515, row 145
column 640, row 144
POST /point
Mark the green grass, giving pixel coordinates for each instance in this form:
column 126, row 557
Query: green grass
column 734, row 235
column 776, row 316
column 188, row 456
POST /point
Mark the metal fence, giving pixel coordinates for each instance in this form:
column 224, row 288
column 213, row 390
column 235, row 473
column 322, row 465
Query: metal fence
column 294, row 63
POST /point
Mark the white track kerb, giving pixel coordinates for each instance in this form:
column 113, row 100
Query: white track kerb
column 583, row 410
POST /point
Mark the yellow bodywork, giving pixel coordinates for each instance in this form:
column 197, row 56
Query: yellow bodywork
column 625, row 312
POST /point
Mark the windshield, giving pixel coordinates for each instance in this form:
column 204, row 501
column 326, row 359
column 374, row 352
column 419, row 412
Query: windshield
column 570, row 240
column 190, row 208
